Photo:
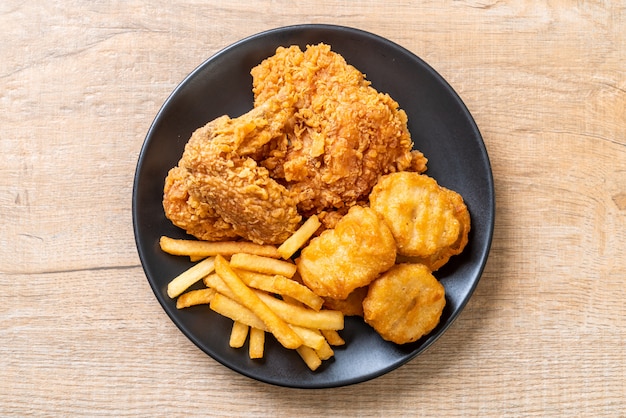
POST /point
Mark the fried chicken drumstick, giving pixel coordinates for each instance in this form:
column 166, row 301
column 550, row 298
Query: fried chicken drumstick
column 221, row 172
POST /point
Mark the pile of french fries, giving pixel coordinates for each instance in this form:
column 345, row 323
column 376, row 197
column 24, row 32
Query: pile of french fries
column 257, row 287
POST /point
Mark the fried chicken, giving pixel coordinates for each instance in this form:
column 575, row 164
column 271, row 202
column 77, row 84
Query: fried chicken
column 345, row 134
column 220, row 172
column 186, row 211
column 317, row 140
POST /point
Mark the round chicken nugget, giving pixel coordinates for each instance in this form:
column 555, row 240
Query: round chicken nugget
column 405, row 303
column 349, row 256
column 429, row 222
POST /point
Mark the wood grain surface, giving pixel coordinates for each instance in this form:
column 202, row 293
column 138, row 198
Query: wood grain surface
column 81, row 332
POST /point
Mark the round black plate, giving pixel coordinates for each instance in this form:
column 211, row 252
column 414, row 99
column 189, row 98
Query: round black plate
column 441, row 127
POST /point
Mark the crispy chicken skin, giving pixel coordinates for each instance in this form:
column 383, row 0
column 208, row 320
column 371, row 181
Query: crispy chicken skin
column 404, row 303
column 349, row 256
column 196, row 217
column 317, row 140
column 429, row 222
column 345, row 133
column 223, row 174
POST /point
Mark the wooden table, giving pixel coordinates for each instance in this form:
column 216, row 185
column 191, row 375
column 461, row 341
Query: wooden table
column 81, row 332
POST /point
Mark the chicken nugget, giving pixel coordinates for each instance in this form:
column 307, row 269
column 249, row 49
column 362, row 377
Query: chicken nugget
column 349, row 256
column 405, row 303
column 429, row 222
column 350, row 306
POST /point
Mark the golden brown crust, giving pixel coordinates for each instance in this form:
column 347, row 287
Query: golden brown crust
column 222, row 175
column 349, row 256
column 350, row 306
column 345, row 133
column 429, row 223
column 196, row 217
column 317, row 140
column 405, row 303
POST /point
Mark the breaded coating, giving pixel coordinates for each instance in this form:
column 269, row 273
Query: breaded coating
column 350, row 306
column 222, row 174
column 349, row 256
column 345, row 133
column 429, row 223
column 196, row 217
column 317, row 140
column 405, row 303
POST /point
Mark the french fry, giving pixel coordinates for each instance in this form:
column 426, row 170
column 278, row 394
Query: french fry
column 195, row 297
column 299, row 238
column 238, row 334
column 310, row 357
column 283, row 286
column 325, row 351
column 262, row 264
column 310, row 337
column 190, row 276
column 205, row 249
column 333, row 337
column 291, row 301
column 214, row 281
column 277, row 326
column 234, row 310
column 242, row 291
column 297, row 315
column 257, row 343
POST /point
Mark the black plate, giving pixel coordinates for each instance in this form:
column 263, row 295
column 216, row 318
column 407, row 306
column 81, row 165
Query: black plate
column 441, row 127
